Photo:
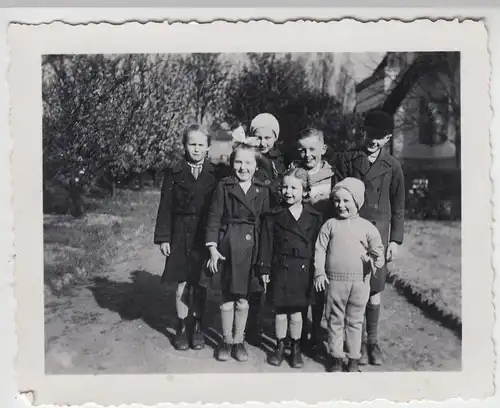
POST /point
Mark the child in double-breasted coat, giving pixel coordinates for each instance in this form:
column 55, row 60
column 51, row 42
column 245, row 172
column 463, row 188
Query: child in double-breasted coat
column 384, row 207
column 265, row 130
column 185, row 199
column 232, row 236
column 286, row 259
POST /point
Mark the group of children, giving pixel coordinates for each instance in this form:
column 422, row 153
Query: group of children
column 305, row 237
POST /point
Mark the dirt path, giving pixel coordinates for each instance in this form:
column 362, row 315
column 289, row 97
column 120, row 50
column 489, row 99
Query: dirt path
column 123, row 323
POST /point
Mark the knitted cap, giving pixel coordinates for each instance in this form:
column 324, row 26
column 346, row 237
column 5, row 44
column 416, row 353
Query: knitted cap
column 378, row 124
column 355, row 186
column 265, row 121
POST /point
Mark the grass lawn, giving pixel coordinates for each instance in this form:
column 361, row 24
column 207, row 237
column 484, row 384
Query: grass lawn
column 430, row 261
column 78, row 249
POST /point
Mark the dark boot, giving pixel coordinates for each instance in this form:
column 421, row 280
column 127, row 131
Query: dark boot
column 335, row 365
column 279, row 354
column 224, row 351
column 181, row 338
column 240, row 352
column 296, row 356
column 364, row 355
column 352, row 366
column 197, row 339
column 375, row 354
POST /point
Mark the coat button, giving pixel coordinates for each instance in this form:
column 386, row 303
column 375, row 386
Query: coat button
column 248, row 237
column 376, row 205
column 303, row 267
column 267, row 181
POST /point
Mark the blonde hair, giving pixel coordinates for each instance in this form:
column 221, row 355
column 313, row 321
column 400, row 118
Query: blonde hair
column 311, row 132
column 303, row 176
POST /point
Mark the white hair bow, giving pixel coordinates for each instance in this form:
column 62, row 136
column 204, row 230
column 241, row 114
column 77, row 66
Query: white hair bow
column 239, row 136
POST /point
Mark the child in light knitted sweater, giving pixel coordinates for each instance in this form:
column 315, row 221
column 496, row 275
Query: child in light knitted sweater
column 348, row 250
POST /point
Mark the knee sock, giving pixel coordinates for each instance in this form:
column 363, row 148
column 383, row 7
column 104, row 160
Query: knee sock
column 372, row 318
column 182, row 300
column 280, row 324
column 240, row 320
column 227, row 315
column 295, row 326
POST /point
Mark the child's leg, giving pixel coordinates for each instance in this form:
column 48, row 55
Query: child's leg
column 372, row 318
column 199, row 297
column 355, row 311
column 182, row 300
column 281, row 325
column 240, row 320
column 182, row 309
column 199, row 301
column 317, row 316
column 296, row 325
column 338, row 294
column 295, row 333
column 227, row 317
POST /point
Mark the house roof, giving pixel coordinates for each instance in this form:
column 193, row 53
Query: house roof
column 376, row 98
column 378, row 75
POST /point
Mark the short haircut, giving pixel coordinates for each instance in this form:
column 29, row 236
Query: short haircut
column 195, row 127
column 243, row 146
column 311, row 132
column 300, row 174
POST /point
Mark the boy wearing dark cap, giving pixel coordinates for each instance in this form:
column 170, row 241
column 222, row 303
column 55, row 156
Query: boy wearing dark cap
column 384, row 207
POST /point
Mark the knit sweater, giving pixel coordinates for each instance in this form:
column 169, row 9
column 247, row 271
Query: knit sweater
column 340, row 245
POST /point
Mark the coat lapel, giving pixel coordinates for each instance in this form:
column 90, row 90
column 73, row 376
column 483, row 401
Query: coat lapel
column 298, row 227
column 381, row 166
column 237, row 192
column 182, row 175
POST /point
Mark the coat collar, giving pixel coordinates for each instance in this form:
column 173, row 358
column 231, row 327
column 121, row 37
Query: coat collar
column 237, row 192
column 298, row 227
column 274, row 153
column 381, row 166
column 370, row 171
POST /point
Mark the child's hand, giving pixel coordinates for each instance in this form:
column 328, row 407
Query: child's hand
column 165, row 248
column 320, row 283
column 215, row 256
column 392, row 251
column 365, row 258
column 265, row 281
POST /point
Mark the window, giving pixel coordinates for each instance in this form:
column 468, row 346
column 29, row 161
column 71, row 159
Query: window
column 433, row 120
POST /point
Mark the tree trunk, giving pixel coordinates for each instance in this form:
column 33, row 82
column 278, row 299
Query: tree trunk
column 141, row 181
column 77, row 206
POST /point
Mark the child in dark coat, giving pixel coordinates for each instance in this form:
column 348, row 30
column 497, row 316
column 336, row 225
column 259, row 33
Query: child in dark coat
column 265, row 131
column 232, row 237
column 384, row 207
column 185, row 198
column 286, row 258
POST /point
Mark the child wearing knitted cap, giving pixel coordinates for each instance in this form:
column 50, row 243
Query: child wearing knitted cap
column 265, row 129
column 348, row 250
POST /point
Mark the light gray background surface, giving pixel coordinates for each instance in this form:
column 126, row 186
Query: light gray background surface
column 356, row 9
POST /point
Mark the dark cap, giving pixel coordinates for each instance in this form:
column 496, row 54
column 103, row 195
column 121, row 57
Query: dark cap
column 378, row 124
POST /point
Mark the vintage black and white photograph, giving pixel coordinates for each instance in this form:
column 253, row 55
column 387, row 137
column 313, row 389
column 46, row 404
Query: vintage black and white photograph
column 250, row 212
column 251, row 203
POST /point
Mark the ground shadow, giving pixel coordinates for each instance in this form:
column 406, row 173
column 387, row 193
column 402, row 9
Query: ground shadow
column 145, row 298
